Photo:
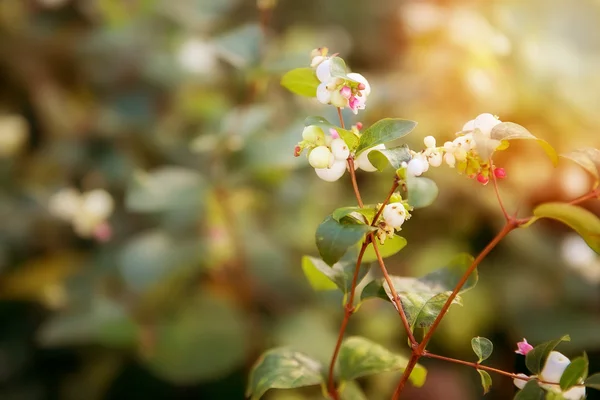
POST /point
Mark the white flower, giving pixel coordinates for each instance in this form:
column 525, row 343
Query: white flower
column 416, row 166
column 394, row 215
column 359, row 102
column 554, row 367
column 87, row 212
column 484, row 122
column 340, row 149
column 197, row 56
column 13, row 135
column 450, row 160
column 429, row 142
column 520, row 383
column 320, row 157
column 333, row 173
column 363, row 162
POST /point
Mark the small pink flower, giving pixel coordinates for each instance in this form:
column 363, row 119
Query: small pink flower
column 523, row 347
column 346, row 92
column 353, row 103
column 359, row 125
column 500, row 173
column 334, row 133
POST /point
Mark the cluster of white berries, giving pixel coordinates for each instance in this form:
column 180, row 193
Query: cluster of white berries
column 555, row 366
column 461, row 153
column 328, row 152
column 87, row 212
column 350, row 91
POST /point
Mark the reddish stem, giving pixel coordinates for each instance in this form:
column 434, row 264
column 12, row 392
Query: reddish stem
column 354, row 184
column 386, row 201
column 497, row 190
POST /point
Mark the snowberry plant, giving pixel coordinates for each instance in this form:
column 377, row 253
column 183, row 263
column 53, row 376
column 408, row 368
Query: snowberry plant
column 353, row 236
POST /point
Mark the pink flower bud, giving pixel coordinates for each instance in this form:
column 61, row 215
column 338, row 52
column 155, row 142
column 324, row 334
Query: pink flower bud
column 359, row 125
column 103, row 232
column 334, row 134
column 482, row 179
column 297, row 151
column 500, row 173
column 361, row 86
column 346, row 92
column 523, row 347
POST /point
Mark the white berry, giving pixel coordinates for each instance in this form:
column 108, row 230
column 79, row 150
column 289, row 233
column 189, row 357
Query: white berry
column 319, row 157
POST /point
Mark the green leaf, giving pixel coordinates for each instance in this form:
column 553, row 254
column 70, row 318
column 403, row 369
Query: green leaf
column 351, row 391
column 536, row 358
column 186, row 349
column 357, row 213
column 360, row 357
column 388, row 249
column 334, row 238
column 531, row 391
column 423, row 298
column 323, row 277
column 338, row 69
column 482, row 347
column 512, row 131
column 584, row 222
column 301, row 81
column 348, row 136
column 164, row 189
column 575, row 373
column 282, row 368
column 593, row 381
column 394, row 157
column 383, row 131
column 588, row 158
column 422, row 191
column 486, row 380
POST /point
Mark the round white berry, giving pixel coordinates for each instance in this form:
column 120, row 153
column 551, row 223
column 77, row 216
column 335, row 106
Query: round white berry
column 450, row 160
column 435, row 159
column 520, row 383
column 313, row 134
column 394, row 215
column 319, row 157
column 362, row 161
column 416, row 167
column 324, row 71
column 332, row 173
column 575, row 393
column 338, row 100
column 340, row 149
column 323, row 95
column 429, row 142
column 556, row 363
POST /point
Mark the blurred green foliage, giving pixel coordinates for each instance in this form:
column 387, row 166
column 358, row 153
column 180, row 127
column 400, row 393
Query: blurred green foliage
column 175, row 108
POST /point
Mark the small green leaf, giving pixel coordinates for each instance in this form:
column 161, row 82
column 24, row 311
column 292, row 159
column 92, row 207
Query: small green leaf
column 334, row 238
column 588, row 158
column 367, row 212
column 482, row 347
column 593, row 381
column 388, row 249
column 486, row 381
column 575, row 373
column 360, row 357
column 423, row 298
column 302, row 81
column 348, row 136
column 323, row 277
column 536, row 358
column 584, row 222
column 531, row 391
column 337, row 67
column 283, row 368
column 512, row 131
column 351, row 391
column 383, row 131
column 422, row 191
column 394, row 157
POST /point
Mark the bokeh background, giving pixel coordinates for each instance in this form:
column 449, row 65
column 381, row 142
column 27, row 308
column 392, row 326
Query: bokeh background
column 174, row 108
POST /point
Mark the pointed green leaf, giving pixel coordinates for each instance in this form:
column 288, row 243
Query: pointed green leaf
column 388, row 249
column 283, row 368
column 302, row 81
column 482, row 347
column 334, row 238
column 338, row 68
column 323, row 277
column 384, row 131
column 361, row 357
column 588, row 158
column 531, row 391
column 348, row 136
column 423, row 298
column 486, row 381
column 575, row 373
column 422, row 191
column 357, row 213
column 512, row 131
column 593, row 381
column 351, row 391
column 584, row 222
column 394, row 157
column 536, row 358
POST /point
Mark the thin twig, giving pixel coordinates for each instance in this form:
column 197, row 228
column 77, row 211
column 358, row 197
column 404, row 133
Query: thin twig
column 497, row 190
column 354, row 183
column 386, row 201
column 339, row 110
column 414, row 358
